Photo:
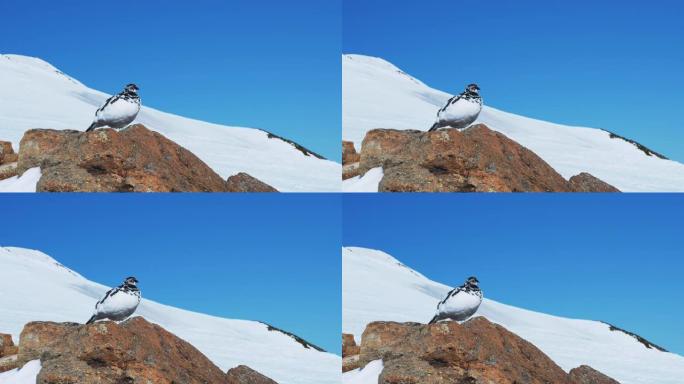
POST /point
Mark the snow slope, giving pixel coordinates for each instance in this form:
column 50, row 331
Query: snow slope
column 33, row 287
column 376, row 94
column 24, row 183
column 24, row 375
column 34, row 94
column 370, row 374
column 376, row 286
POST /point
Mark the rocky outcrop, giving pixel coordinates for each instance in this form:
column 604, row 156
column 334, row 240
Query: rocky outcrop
column 8, row 160
column 585, row 374
column 7, row 346
column 8, row 363
column 7, row 154
column 243, row 182
column 349, row 154
column 8, row 353
column 350, row 170
column 243, row 374
column 475, row 352
column 8, row 170
column 477, row 159
column 350, row 160
column 349, row 346
column 350, row 353
column 134, row 159
column 134, row 351
column 106, row 160
column 585, row 182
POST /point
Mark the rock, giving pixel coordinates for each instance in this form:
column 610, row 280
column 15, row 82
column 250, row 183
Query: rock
column 475, row 352
column 7, row 346
column 349, row 346
column 106, row 160
column 7, row 154
column 350, row 160
column 243, row 182
column 350, row 363
column 349, row 154
column 243, row 374
column 8, row 170
column 587, row 375
column 134, row 351
column 8, row 363
column 350, row 170
column 350, row 353
column 473, row 160
column 585, row 182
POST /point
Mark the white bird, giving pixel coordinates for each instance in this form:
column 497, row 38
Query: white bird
column 119, row 110
column 461, row 110
column 118, row 303
column 460, row 303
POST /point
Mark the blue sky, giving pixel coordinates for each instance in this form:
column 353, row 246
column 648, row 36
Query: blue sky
column 265, row 64
column 585, row 256
column 272, row 258
column 590, row 63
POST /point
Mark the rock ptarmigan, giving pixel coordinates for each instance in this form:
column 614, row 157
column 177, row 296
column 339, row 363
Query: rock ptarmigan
column 118, row 303
column 461, row 110
column 460, row 303
column 119, row 110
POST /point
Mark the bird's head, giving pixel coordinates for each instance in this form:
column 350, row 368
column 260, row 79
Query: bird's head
column 473, row 88
column 131, row 88
column 131, row 281
column 472, row 281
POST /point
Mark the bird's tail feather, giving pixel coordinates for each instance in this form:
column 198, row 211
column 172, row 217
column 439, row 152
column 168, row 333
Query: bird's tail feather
column 434, row 127
column 91, row 320
column 434, row 320
column 92, row 126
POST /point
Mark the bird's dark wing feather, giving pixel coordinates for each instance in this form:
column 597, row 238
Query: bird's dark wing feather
column 451, row 101
column 111, row 100
column 451, row 293
column 109, row 293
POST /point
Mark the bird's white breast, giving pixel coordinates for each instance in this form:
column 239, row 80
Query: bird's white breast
column 121, row 112
column 463, row 109
column 462, row 302
column 120, row 304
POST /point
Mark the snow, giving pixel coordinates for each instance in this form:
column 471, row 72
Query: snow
column 367, row 375
column 34, row 94
column 376, row 94
column 376, row 286
column 24, row 183
column 24, row 375
column 367, row 182
column 35, row 287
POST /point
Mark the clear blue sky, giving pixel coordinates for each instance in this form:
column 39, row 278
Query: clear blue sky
column 604, row 64
column 272, row 258
column 267, row 64
column 587, row 256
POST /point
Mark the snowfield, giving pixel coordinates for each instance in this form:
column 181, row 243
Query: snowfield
column 24, row 183
column 34, row 94
column 35, row 287
column 368, row 182
column 370, row 374
column 26, row 375
column 376, row 286
column 376, row 94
